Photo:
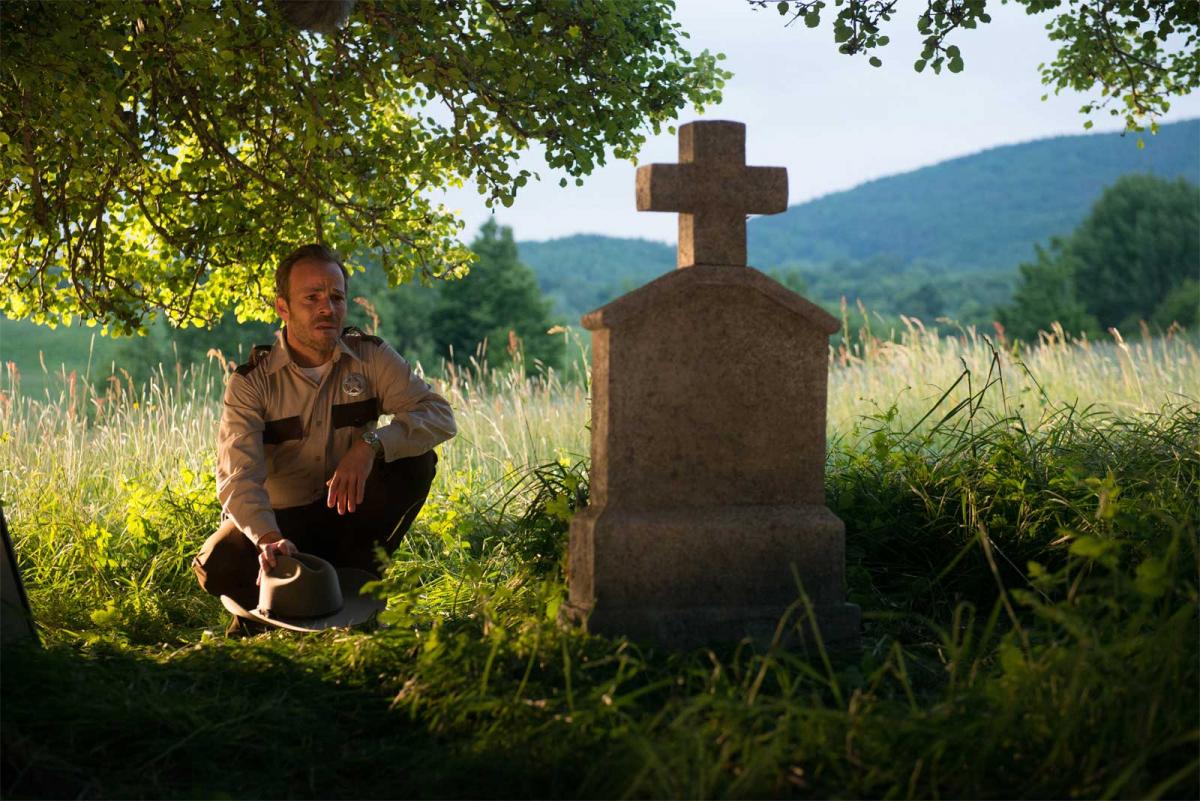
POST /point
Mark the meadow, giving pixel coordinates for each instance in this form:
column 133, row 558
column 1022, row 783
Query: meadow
column 1021, row 535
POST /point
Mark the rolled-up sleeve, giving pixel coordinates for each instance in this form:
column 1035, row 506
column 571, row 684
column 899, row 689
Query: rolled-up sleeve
column 242, row 462
column 422, row 418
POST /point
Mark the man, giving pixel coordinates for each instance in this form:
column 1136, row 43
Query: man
column 301, row 463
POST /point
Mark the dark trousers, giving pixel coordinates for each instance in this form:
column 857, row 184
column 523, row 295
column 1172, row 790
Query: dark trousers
column 394, row 494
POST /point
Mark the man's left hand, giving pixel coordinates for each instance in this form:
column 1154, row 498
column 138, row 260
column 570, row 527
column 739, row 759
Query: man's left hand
column 349, row 480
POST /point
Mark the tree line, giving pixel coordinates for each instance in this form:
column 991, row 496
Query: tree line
column 497, row 308
column 1135, row 258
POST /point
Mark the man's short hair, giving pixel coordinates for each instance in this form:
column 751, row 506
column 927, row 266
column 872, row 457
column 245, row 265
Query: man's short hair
column 313, row 252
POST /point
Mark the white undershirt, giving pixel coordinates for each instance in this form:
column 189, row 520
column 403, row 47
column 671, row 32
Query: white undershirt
column 318, row 373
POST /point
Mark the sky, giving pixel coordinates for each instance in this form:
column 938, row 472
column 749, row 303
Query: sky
column 834, row 121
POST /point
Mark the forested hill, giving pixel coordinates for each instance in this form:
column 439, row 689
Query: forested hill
column 982, row 212
column 976, row 212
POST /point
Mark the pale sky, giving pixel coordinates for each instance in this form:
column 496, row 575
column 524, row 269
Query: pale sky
column 834, row 121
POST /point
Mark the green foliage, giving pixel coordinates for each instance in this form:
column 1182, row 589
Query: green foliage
column 162, row 155
column 1141, row 241
column 1030, row 592
column 1046, row 294
column 1135, row 54
column 583, row 272
column 497, row 301
column 426, row 324
column 1181, row 305
column 401, row 314
column 978, row 212
column 939, row 241
column 1134, row 258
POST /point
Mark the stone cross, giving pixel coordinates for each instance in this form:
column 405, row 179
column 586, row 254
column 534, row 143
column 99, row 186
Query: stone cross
column 713, row 190
column 706, row 510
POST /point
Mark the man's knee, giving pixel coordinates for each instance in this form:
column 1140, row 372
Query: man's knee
column 412, row 472
column 400, row 492
column 227, row 563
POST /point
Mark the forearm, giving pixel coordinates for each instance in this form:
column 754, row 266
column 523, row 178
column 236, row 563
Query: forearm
column 241, row 461
column 250, row 509
column 418, row 430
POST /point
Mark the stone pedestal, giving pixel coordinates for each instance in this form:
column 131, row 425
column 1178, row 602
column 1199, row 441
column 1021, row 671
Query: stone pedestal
column 708, row 451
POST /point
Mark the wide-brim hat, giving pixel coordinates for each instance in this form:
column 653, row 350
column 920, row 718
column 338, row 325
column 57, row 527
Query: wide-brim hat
column 307, row 593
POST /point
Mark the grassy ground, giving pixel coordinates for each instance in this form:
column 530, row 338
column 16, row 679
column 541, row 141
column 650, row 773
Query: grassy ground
column 1022, row 537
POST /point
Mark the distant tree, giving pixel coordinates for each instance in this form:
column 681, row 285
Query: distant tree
column 1045, row 294
column 925, row 301
column 791, row 277
column 1140, row 241
column 500, row 295
column 1181, row 305
column 1133, row 55
column 168, row 345
column 1130, row 260
column 154, row 155
column 401, row 314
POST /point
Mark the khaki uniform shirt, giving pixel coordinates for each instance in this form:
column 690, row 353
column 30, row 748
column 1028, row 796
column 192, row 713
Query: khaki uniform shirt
column 282, row 435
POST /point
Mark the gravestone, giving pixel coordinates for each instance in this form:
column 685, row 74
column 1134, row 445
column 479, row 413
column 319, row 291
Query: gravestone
column 16, row 619
column 707, row 507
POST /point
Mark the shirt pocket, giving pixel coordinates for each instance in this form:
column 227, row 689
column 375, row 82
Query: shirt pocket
column 356, row 414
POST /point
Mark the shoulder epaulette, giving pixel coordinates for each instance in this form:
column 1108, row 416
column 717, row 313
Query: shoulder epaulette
column 258, row 354
column 358, row 333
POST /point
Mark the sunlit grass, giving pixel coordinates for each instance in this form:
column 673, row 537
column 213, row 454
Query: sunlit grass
column 1021, row 534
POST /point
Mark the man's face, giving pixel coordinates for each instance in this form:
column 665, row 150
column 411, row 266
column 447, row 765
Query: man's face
column 315, row 306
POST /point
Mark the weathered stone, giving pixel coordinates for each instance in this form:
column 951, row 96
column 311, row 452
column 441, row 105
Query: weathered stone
column 707, row 511
column 16, row 619
column 714, row 190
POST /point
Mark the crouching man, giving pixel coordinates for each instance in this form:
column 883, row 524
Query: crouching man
column 302, row 464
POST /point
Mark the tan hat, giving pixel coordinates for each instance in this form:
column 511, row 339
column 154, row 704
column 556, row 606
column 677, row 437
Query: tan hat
column 306, row 593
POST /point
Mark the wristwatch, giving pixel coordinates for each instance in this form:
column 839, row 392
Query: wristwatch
column 372, row 439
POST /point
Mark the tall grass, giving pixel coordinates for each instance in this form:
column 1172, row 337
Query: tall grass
column 1021, row 530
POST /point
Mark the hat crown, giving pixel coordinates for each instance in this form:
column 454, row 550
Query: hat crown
column 300, row 586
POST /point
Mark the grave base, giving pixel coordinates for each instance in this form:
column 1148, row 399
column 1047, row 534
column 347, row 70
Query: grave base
column 693, row 576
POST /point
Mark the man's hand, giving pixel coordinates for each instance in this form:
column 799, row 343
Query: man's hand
column 349, row 480
column 269, row 547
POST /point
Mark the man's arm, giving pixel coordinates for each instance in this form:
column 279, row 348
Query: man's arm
column 422, row 418
column 242, row 462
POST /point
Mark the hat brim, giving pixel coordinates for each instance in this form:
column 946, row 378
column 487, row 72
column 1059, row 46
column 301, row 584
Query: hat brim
column 355, row 609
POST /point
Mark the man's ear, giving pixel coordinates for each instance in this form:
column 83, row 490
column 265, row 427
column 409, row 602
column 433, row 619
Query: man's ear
column 281, row 308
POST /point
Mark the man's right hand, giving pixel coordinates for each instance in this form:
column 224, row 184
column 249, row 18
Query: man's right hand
column 269, row 547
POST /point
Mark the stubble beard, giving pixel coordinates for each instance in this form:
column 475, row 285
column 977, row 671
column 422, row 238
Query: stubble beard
column 314, row 341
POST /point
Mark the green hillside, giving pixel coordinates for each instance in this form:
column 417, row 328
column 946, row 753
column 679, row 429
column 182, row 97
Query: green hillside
column 584, row 271
column 976, row 212
column 944, row 239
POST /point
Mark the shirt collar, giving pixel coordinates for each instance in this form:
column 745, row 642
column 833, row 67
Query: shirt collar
column 281, row 356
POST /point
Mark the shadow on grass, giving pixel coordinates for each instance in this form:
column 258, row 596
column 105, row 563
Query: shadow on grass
column 228, row 720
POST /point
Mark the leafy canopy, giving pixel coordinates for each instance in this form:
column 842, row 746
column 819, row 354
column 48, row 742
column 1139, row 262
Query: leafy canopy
column 158, row 157
column 1131, row 55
